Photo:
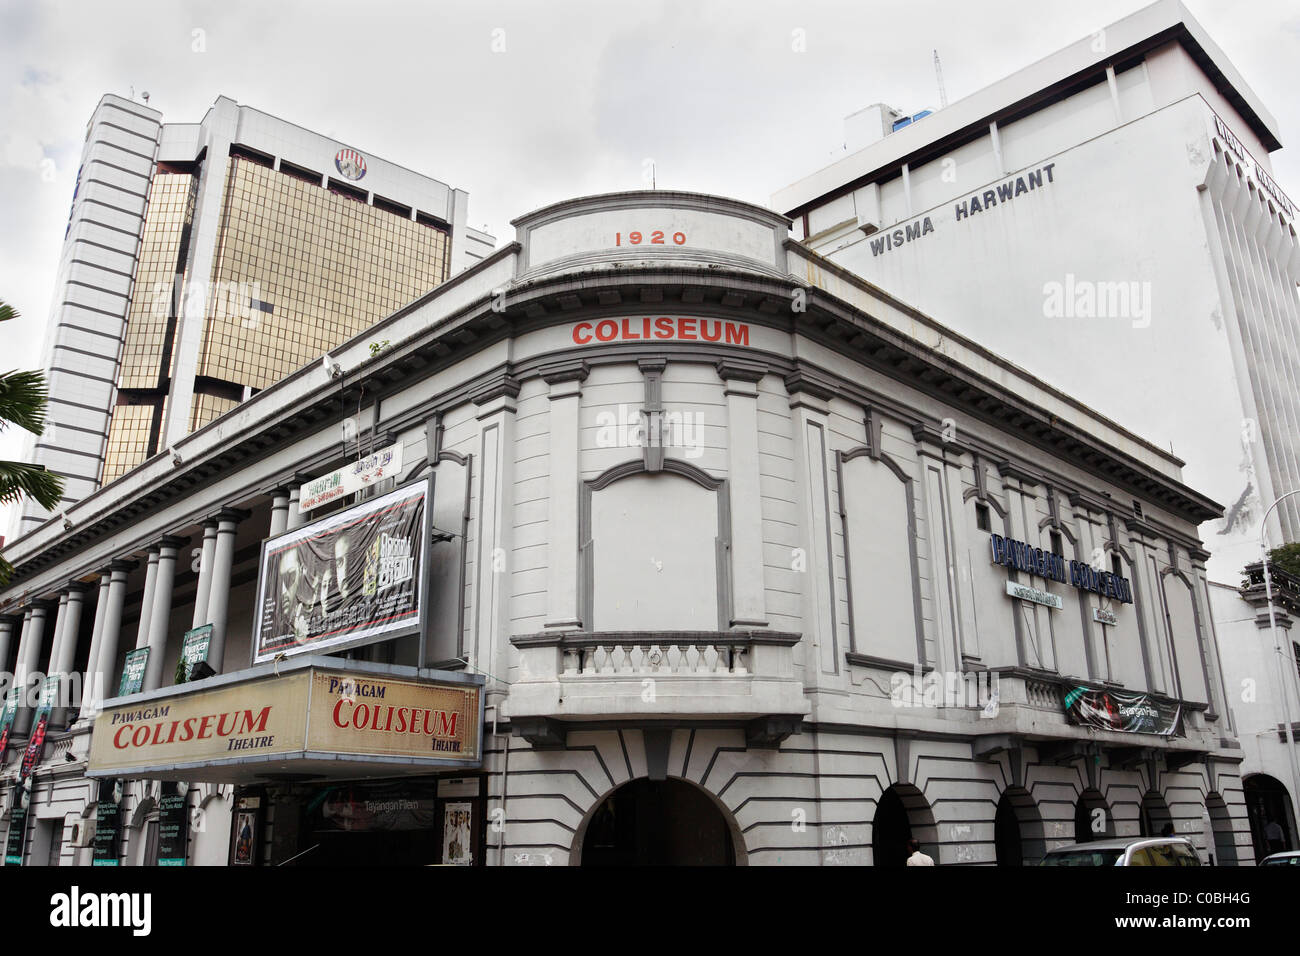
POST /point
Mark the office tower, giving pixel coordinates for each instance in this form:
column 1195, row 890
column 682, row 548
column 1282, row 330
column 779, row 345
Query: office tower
column 1108, row 219
column 205, row 261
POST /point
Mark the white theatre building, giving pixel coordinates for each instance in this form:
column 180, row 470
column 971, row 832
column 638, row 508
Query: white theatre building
column 742, row 560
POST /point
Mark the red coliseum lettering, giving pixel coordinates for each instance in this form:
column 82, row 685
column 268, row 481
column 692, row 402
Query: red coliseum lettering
column 662, row 328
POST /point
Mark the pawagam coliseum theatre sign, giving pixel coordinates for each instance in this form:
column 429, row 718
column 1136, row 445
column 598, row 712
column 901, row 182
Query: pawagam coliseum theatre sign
column 311, row 714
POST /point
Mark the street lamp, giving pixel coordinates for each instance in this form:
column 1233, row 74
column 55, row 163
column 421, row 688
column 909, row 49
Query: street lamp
column 1282, row 659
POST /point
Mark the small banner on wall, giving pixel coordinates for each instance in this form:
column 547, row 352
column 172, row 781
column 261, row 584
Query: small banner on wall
column 22, row 796
column 194, row 650
column 173, row 824
column 1124, row 712
column 133, row 672
column 36, row 743
column 7, row 720
column 108, row 823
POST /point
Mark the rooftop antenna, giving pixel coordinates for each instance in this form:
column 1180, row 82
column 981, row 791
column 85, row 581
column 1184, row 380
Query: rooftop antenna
column 938, row 74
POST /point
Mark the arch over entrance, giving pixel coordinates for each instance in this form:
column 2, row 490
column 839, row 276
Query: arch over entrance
column 1154, row 817
column 902, row 814
column 1268, row 805
column 1225, row 844
column 668, row 822
column 1092, row 817
column 1018, row 829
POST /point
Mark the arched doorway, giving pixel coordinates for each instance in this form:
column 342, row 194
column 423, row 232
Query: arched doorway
column 1154, row 818
column 1225, row 843
column 902, row 813
column 1018, row 829
column 657, row 823
column 1092, row 818
column 1268, row 805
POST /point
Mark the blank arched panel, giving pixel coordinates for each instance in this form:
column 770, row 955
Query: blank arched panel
column 878, row 527
column 654, row 554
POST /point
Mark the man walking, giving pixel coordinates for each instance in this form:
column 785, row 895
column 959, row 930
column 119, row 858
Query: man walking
column 916, row 857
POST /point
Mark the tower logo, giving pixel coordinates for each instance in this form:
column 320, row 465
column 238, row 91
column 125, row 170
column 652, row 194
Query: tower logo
column 350, row 164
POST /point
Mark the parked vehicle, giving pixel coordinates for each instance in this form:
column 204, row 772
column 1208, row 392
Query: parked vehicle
column 1125, row 851
column 1285, row 858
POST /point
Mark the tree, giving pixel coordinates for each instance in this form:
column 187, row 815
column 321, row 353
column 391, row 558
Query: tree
column 22, row 403
column 1287, row 558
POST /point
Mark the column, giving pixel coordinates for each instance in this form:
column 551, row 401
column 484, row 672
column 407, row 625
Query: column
column 105, row 662
column 205, row 573
column 295, row 520
column 496, row 418
column 146, row 602
column 96, row 638
column 6, row 641
column 219, row 598
column 280, row 510
column 60, row 618
column 161, row 609
column 562, row 586
column 29, row 649
column 748, row 604
column 64, row 655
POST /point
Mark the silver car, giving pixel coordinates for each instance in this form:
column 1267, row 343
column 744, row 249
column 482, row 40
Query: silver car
column 1285, row 858
column 1125, row 851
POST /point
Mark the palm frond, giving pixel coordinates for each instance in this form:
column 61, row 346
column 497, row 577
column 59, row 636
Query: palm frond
column 6, row 572
column 22, row 400
column 18, row 480
column 7, row 312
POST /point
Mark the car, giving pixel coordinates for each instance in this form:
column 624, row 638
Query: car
column 1285, row 858
column 1125, row 851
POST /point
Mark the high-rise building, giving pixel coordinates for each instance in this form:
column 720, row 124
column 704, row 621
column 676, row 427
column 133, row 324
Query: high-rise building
column 1107, row 218
column 205, row 261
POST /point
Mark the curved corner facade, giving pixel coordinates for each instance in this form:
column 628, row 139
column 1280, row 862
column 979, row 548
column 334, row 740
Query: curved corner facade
column 739, row 559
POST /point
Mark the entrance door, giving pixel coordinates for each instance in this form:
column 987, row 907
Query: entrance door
column 890, row 831
column 1006, row 834
column 658, row 823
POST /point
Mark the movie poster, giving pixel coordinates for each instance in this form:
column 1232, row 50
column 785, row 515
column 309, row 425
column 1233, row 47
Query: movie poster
column 457, row 834
column 40, row 724
column 351, row 578
column 1128, row 713
column 245, row 838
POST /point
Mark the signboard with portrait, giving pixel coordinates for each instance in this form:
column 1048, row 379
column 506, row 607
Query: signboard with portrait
column 351, row 578
column 1125, row 712
column 245, row 832
column 457, row 834
column 40, row 724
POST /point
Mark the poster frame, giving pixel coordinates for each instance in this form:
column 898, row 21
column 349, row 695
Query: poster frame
column 418, row 626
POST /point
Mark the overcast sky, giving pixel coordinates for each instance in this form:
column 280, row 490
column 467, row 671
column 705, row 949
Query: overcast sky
column 581, row 96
